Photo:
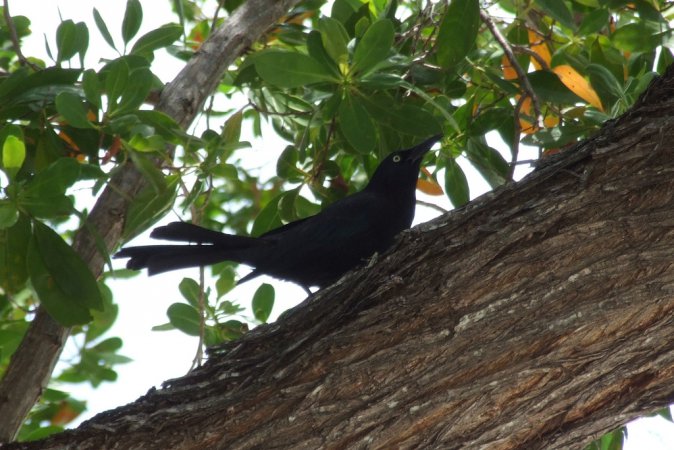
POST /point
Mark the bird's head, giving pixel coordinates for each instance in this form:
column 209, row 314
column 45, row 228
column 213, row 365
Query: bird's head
column 398, row 172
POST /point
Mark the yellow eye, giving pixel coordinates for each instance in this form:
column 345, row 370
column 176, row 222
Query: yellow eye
column 396, row 158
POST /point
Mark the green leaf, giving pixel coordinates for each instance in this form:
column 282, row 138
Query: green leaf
column 13, row 250
column 269, row 218
column 488, row 162
column 231, row 132
column 62, row 281
column 82, row 38
column 356, row 125
column 44, row 195
column 91, row 87
column 416, row 121
column 334, row 38
column 374, row 47
column 66, row 41
column 594, row 22
column 103, row 28
column 225, row 282
column 137, row 90
column 71, row 108
column 263, row 302
column 110, row 345
column 163, row 327
column 605, row 83
column 163, row 125
column 116, row 81
column 456, row 184
column 185, row 318
column 290, row 69
column 634, row 37
column 8, row 215
column 133, row 17
column 103, row 320
column 149, row 206
column 458, row 31
column 382, row 81
column 649, row 12
column 549, row 88
column 318, row 52
column 13, row 154
column 558, row 10
column 286, row 165
column 190, row 291
column 156, row 39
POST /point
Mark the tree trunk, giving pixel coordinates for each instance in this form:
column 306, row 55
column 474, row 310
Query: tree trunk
column 32, row 364
column 538, row 316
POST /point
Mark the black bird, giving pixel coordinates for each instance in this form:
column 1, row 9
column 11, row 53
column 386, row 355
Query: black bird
column 314, row 251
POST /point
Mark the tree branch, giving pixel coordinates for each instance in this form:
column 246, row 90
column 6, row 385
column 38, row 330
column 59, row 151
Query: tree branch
column 16, row 45
column 521, row 74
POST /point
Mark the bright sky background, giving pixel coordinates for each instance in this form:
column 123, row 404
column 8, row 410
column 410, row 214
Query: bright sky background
column 158, row 356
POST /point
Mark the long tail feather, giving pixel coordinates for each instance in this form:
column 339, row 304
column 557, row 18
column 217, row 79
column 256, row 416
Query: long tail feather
column 187, row 232
column 162, row 258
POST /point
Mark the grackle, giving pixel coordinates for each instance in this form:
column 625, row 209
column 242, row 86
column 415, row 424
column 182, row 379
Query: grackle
column 314, row 251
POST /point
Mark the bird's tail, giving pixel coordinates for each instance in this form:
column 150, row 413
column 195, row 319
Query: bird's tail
column 219, row 247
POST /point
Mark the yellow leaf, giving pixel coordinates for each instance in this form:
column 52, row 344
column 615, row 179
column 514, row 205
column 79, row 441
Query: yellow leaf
column 578, row 85
column 539, row 47
column 508, row 71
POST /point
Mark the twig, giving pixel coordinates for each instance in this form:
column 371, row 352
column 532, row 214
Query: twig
column 277, row 113
column 521, row 74
column 15, row 38
column 432, row 206
column 516, row 137
column 526, row 50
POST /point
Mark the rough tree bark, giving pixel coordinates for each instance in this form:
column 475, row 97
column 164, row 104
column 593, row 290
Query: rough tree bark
column 33, row 362
column 538, row 316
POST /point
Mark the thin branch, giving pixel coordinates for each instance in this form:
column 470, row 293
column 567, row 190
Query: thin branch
column 261, row 110
column 527, row 51
column 15, row 38
column 521, row 74
column 432, row 206
column 515, row 149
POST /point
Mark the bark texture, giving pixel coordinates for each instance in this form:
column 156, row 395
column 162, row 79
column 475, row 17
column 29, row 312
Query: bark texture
column 32, row 364
column 538, row 316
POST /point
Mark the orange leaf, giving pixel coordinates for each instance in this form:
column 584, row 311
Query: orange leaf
column 508, row 71
column 65, row 414
column 526, row 126
column 539, row 47
column 430, row 186
column 578, row 85
column 551, row 121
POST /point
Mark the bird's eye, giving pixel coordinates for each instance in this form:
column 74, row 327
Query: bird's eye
column 396, row 158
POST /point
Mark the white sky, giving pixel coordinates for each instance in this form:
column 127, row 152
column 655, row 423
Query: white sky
column 158, row 356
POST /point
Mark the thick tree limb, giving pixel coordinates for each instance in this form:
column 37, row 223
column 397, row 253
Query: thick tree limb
column 539, row 316
column 33, row 362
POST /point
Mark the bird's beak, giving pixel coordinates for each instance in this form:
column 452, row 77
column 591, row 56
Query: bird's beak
column 418, row 151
